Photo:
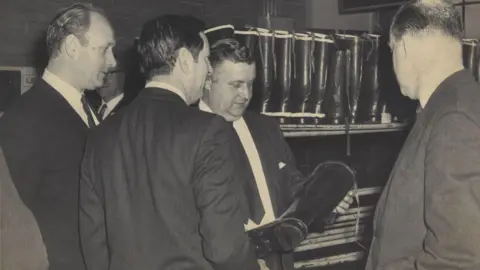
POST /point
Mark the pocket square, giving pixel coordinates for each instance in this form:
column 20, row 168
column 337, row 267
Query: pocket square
column 281, row 165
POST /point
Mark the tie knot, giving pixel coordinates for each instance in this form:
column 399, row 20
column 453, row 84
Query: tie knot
column 101, row 111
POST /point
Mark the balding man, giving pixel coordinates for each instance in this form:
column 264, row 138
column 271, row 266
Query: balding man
column 43, row 134
column 428, row 216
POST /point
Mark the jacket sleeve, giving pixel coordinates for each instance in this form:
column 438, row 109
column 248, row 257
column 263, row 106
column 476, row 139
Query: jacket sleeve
column 452, row 196
column 91, row 217
column 219, row 200
column 22, row 245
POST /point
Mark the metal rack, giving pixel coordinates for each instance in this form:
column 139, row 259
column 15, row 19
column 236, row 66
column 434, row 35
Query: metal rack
column 345, row 231
column 341, row 245
column 328, row 130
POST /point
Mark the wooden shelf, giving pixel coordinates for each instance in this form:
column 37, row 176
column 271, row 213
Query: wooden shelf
column 328, row 130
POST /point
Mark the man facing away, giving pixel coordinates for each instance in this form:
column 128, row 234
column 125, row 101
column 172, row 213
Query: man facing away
column 273, row 181
column 160, row 180
column 43, row 134
column 429, row 212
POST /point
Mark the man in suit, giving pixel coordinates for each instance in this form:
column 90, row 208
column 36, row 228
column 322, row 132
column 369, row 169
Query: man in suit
column 111, row 94
column 429, row 212
column 274, row 180
column 43, row 134
column 21, row 244
column 160, row 179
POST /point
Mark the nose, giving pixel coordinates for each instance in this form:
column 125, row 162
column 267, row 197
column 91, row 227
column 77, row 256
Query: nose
column 244, row 92
column 111, row 61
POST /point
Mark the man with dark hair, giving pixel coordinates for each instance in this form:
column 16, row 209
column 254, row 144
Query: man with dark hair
column 43, row 134
column 429, row 213
column 160, row 179
column 273, row 181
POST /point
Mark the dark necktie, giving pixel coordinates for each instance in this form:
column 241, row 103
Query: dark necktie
column 256, row 209
column 86, row 108
column 101, row 111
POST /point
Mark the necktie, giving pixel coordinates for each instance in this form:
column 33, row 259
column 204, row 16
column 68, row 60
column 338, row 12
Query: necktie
column 101, row 111
column 257, row 211
column 86, row 108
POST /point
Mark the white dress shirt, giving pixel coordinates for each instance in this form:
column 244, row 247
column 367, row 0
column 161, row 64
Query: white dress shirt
column 70, row 94
column 110, row 105
column 168, row 87
column 256, row 164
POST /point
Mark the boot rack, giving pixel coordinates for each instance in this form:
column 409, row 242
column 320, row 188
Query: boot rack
column 327, row 130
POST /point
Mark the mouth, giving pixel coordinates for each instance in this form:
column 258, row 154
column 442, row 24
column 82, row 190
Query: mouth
column 240, row 104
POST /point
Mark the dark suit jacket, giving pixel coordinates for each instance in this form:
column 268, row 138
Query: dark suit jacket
column 95, row 102
column 159, row 190
column 428, row 216
column 43, row 139
column 122, row 103
column 283, row 183
column 21, row 244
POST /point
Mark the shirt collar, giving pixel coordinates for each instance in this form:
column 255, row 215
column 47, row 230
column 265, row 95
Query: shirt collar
column 204, row 107
column 166, row 86
column 113, row 102
column 60, row 85
column 72, row 95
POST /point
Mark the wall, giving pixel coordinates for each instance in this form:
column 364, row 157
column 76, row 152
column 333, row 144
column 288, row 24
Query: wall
column 24, row 21
column 324, row 14
column 472, row 13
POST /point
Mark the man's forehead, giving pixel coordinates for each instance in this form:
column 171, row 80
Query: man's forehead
column 101, row 30
column 230, row 70
column 229, row 65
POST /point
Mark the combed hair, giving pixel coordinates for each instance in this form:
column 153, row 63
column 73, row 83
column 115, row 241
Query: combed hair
column 72, row 20
column 419, row 16
column 162, row 38
column 229, row 49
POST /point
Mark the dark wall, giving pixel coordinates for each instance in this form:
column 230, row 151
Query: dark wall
column 23, row 22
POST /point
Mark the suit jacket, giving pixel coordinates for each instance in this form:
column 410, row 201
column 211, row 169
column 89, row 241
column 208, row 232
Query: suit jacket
column 43, row 139
column 122, row 103
column 21, row 244
column 428, row 216
column 283, row 178
column 159, row 190
column 95, row 101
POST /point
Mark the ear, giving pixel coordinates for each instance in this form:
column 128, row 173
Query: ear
column 185, row 61
column 71, row 46
column 411, row 45
column 208, row 84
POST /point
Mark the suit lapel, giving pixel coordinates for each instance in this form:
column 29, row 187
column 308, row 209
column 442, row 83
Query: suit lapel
column 120, row 104
column 412, row 138
column 267, row 156
column 60, row 106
